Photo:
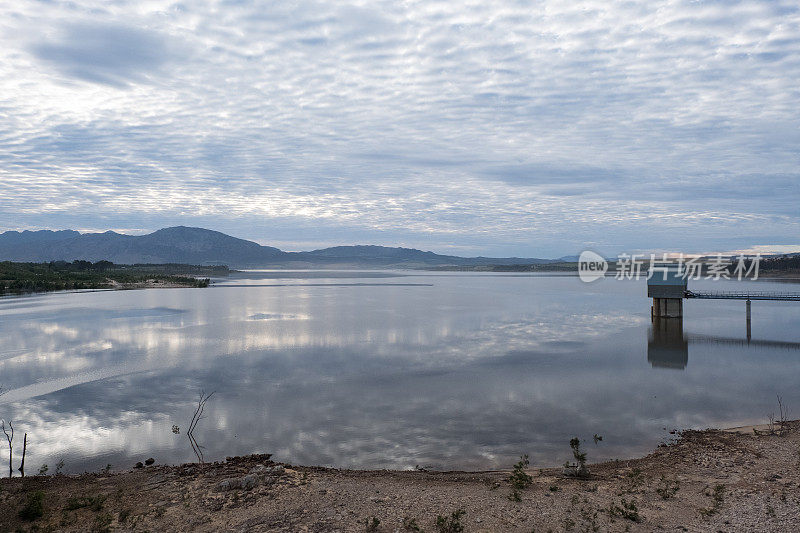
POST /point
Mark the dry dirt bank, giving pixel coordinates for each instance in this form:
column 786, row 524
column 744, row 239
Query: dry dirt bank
column 707, row 481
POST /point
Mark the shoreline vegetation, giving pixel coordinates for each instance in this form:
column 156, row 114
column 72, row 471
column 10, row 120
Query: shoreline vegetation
column 31, row 277
column 21, row 278
column 744, row 479
column 769, row 267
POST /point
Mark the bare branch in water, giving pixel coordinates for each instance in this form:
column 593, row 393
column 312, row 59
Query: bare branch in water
column 24, row 449
column 196, row 418
column 783, row 418
column 10, row 439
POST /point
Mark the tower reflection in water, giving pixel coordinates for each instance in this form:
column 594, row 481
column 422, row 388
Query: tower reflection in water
column 667, row 347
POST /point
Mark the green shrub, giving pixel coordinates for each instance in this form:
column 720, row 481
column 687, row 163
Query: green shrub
column 717, row 497
column 34, row 507
column 451, row 524
column 667, row 488
column 410, row 524
column 519, row 479
column 372, row 524
column 627, row 510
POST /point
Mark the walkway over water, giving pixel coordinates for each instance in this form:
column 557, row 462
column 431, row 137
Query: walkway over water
column 710, row 295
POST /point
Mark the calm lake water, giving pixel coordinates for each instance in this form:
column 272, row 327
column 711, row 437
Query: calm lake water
column 384, row 369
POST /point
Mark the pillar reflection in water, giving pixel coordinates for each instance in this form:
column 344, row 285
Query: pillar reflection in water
column 666, row 345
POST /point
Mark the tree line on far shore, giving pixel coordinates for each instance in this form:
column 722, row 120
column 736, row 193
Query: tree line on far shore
column 16, row 278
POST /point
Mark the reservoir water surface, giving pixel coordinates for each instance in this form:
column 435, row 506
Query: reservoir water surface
column 384, row 369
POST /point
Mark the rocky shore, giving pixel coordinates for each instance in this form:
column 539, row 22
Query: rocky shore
column 709, row 480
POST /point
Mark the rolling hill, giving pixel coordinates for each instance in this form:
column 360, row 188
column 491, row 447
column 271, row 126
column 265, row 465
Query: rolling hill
column 200, row 246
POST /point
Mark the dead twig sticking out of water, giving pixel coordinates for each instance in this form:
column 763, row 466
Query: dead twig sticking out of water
column 196, row 418
column 10, row 439
column 784, row 414
column 779, row 426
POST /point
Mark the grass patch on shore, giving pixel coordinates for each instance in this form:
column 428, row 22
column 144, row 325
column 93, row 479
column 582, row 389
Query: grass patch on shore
column 95, row 503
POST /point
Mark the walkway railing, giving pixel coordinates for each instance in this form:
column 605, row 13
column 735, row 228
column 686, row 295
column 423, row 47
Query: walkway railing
column 757, row 295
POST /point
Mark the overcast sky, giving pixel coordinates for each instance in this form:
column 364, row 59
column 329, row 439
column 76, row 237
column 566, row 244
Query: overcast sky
column 497, row 128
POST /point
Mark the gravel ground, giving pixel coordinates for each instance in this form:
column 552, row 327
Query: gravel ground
column 708, row 480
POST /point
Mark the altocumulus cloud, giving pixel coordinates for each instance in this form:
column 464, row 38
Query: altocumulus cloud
column 498, row 128
column 113, row 53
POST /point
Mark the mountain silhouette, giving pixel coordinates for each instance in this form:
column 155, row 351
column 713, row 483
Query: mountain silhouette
column 200, row 246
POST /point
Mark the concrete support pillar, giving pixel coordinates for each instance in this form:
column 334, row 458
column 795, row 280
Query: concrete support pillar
column 667, row 308
column 748, row 320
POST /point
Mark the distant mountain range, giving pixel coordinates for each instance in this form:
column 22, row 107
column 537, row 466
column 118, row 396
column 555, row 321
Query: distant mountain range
column 200, row 246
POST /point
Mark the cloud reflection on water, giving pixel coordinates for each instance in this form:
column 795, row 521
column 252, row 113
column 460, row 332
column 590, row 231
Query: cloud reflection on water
column 468, row 373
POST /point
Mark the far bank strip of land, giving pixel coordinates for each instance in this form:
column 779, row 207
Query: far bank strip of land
column 20, row 278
